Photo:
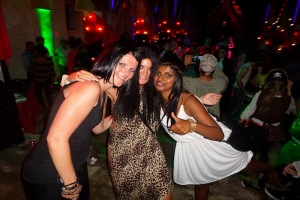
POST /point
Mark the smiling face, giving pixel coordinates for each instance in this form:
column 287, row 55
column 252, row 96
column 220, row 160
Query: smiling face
column 124, row 70
column 145, row 71
column 164, row 78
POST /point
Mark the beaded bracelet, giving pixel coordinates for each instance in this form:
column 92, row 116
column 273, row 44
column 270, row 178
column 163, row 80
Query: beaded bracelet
column 193, row 125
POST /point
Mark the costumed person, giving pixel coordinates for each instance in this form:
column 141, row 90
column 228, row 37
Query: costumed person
column 267, row 110
column 201, row 154
column 211, row 79
column 287, row 164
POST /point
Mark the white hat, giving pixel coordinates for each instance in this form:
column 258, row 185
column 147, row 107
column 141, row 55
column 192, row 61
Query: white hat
column 208, row 63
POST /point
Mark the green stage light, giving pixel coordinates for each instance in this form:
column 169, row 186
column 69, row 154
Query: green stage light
column 44, row 17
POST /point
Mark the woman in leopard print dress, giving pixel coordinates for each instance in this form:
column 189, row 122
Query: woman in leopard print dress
column 137, row 164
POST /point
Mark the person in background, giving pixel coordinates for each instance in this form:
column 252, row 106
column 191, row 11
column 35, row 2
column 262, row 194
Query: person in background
column 211, row 79
column 259, row 80
column 287, row 164
column 290, row 172
column 56, row 167
column 239, row 91
column 71, row 55
column 191, row 61
column 40, row 41
column 240, row 59
column 43, row 74
column 170, row 52
column 230, row 46
column 225, row 64
column 61, row 54
column 159, row 47
column 27, row 55
column 266, row 112
column 201, row 157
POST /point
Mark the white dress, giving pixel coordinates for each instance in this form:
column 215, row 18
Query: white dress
column 198, row 160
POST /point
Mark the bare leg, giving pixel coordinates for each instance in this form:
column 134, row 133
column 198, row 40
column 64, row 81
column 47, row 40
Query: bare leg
column 201, row 192
column 256, row 166
column 169, row 196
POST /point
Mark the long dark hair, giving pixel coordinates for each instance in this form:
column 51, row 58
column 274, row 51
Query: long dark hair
column 174, row 96
column 109, row 58
column 266, row 97
column 128, row 101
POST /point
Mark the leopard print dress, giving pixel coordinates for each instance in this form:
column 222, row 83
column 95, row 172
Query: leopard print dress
column 137, row 165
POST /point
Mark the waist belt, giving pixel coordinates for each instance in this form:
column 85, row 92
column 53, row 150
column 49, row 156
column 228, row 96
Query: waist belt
column 257, row 124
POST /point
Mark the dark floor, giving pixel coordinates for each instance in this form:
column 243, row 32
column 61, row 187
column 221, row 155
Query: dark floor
column 100, row 185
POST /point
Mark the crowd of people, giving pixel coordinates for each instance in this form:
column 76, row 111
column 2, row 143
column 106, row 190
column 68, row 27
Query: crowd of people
column 180, row 86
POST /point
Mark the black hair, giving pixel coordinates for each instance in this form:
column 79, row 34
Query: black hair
column 128, row 102
column 29, row 43
column 266, row 98
column 40, row 50
column 37, row 39
column 109, row 58
column 174, row 96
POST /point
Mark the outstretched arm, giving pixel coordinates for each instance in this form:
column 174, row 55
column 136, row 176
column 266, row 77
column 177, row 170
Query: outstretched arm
column 103, row 125
column 80, row 76
column 210, row 99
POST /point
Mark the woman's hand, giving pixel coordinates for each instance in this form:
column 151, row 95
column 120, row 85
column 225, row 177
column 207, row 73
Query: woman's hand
column 72, row 194
column 188, row 60
column 290, row 169
column 181, row 126
column 82, row 76
column 211, row 99
column 103, row 125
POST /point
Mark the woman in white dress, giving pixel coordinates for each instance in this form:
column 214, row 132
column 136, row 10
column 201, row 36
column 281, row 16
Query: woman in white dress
column 201, row 157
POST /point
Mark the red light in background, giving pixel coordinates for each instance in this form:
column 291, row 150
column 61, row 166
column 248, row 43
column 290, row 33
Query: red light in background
column 178, row 23
column 140, row 21
column 99, row 28
column 88, row 28
column 164, row 22
column 90, row 16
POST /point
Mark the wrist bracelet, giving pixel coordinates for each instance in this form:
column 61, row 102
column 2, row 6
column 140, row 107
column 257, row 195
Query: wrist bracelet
column 193, row 125
column 67, row 187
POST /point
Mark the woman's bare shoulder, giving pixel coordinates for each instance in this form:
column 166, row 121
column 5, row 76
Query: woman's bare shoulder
column 85, row 88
